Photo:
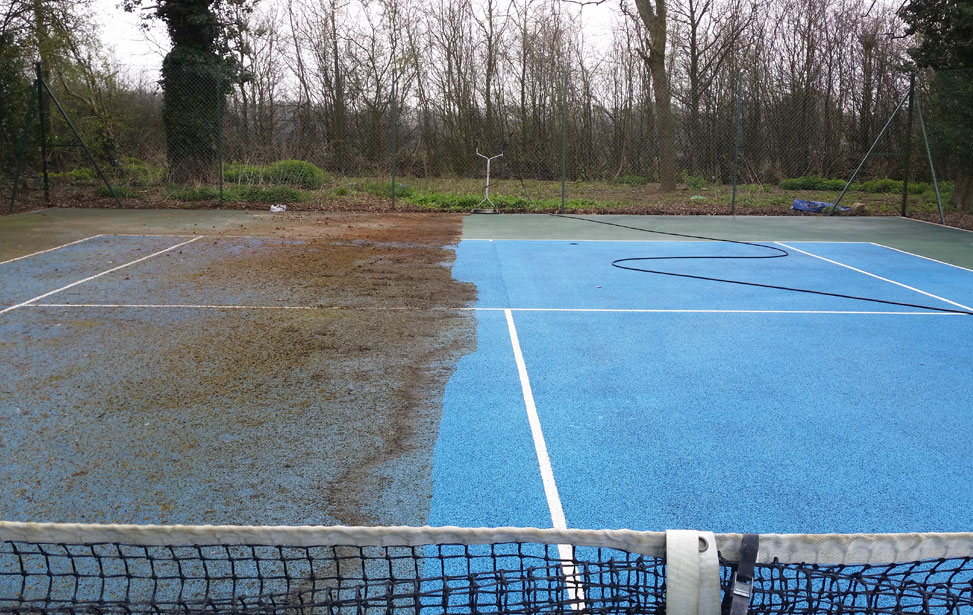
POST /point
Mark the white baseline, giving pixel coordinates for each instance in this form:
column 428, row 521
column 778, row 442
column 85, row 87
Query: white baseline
column 878, row 277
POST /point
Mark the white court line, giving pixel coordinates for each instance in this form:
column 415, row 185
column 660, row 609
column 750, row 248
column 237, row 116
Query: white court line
column 150, row 235
column 195, row 306
column 687, row 240
column 540, row 447
column 878, row 277
column 565, row 552
column 920, row 256
column 939, row 225
column 50, row 249
column 708, row 311
column 97, row 275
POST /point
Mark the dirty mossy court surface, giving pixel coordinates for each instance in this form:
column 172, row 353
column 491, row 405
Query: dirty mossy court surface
column 322, row 414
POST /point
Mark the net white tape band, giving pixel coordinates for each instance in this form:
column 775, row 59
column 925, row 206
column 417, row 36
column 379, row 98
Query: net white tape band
column 807, row 548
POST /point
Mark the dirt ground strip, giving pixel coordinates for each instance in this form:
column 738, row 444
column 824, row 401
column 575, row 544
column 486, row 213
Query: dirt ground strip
column 327, row 415
column 644, row 200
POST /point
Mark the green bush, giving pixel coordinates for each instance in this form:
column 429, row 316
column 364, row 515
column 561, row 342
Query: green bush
column 631, row 180
column 297, row 173
column 193, row 193
column 139, row 173
column 384, row 189
column 693, row 182
column 237, row 173
column 81, row 175
column 881, row 186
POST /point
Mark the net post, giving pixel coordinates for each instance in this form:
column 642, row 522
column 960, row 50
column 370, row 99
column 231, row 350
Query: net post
column 908, row 145
column 43, row 131
column 932, row 167
column 564, row 138
column 736, row 146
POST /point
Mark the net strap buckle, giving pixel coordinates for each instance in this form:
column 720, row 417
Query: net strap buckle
column 737, row 600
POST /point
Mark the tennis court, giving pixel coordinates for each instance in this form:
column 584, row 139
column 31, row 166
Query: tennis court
column 676, row 402
column 233, row 367
column 657, row 401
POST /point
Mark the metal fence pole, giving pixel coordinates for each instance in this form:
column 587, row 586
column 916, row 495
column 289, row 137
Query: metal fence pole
column 736, row 147
column 564, row 139
column 908, row 146
column 40, row 109
column 219, row 128
column 395, row 131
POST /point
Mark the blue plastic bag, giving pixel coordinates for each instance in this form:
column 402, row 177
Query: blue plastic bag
column 814, row 207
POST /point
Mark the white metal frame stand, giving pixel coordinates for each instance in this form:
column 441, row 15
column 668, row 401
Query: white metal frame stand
column 492, row 209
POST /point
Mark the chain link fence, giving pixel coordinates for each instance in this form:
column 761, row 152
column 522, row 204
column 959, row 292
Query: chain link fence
column 744, row 144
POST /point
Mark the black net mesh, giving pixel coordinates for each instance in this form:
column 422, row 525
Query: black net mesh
column 933, row 586
column 510, row 578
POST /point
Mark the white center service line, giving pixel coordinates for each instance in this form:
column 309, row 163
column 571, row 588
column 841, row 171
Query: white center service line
column 97, row 275
column 565, row 552
column 540, row 447
column 877, row 277
column 20, row 258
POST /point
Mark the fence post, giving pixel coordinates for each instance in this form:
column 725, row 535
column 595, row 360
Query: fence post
column 219, row 127
column 40, row 109
column 395, row 132
column 736, row 146
column 564, row 138
column 908, row 146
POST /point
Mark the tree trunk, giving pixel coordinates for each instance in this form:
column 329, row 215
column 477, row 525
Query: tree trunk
column 963, row 193
column 663, row 123
column 654, row 19
column 191, row 107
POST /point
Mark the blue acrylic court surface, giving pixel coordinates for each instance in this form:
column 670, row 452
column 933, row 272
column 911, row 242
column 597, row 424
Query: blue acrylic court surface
column 664, row 402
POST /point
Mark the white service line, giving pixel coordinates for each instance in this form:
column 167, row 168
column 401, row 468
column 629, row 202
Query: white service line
column 920, row 256
column 540, row 447
column 50, row 249
column 878, row 277
column 565, row 552
column 97, row 275
column 187, row 306
column 712, row 311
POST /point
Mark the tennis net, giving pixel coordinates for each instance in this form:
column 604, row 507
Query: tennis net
column 66, row 568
